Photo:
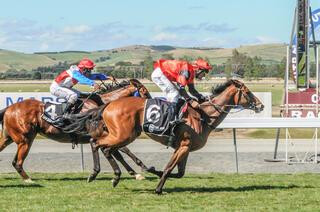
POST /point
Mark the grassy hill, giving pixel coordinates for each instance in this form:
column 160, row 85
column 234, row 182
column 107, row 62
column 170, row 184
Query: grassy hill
column 136, row 54
column 18, row 61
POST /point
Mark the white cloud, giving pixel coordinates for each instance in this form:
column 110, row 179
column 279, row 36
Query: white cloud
column 76, row 29
column 163, row 36
column 157, row 28
column 215, row 42
column 223, row 28
column 30, row 36
column 44, row 47
column 266, row 39
column 119, row 36
column 2, row 39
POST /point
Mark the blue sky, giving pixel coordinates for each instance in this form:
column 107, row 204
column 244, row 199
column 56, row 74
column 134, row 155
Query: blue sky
column 43, row 25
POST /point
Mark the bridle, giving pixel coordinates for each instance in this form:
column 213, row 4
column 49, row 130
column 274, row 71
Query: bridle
column 241, row 93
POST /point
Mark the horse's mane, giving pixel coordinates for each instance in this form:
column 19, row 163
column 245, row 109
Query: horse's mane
column 79, row 123
column 112, row 87
column 216, row 90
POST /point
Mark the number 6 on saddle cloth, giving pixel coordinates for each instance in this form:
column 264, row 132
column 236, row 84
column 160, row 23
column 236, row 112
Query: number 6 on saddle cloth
column 158, row 115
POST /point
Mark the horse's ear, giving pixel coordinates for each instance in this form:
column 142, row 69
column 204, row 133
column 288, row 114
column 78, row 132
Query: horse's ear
column 131, row 81
column 231, row 81
column 236, row 82
column 134, row 82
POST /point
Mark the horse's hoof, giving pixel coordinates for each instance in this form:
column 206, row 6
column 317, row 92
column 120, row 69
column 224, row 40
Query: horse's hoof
column 94, row 147
column 158, row 191
column 114, row 182
column 91, row 178
column 139, row 177
column 29, row 181
column 151, row 169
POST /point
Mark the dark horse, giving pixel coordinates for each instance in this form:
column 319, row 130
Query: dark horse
column 22, row 122
column 124, row 118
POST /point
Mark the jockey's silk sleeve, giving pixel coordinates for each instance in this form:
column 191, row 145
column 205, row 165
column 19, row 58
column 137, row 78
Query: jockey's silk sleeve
column 81, row 79
column 98, row 77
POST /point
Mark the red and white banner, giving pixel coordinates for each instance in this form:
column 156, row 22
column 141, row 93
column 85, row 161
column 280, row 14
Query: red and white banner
column 302, row 104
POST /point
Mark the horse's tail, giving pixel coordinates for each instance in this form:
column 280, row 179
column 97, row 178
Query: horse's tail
column 2, row 114
column 80, row 123
column 1, row 120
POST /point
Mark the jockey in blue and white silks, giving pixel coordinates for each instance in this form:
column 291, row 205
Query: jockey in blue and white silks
column 63, row 83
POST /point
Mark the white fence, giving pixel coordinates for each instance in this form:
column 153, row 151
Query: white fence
column 255, row 123
column 7, row 99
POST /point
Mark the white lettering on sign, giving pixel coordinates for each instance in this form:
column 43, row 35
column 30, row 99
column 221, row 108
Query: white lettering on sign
column 310, row 114
column 7, row 99
column 296, row 114
column 300, row 114
column 314, row 98
column 315, row 17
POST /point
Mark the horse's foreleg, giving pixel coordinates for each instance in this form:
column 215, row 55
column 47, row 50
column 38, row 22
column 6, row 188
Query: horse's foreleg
column 96, row 162
column 114, row 165
column 178, row 156
column 181, row 169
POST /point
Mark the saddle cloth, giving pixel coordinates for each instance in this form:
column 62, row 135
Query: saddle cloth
column 53, row 112
column 157, row 116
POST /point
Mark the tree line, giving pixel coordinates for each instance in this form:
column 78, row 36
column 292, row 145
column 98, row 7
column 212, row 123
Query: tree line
column 238, row 65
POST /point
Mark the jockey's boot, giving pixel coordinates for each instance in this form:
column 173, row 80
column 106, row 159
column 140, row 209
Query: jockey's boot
column 177, row 119
column 67, row 110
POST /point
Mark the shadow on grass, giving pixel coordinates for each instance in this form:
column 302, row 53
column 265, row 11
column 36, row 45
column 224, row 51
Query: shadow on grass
column 22, row 186
column 80, row 178
column 224, row 189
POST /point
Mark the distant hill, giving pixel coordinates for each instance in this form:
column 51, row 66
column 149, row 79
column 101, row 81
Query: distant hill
column 135, row 54
column 16, row 60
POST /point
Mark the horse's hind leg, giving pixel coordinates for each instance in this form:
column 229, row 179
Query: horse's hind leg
column 119, row 157
column 96, row 163
column 136, row 160
column 117, row 172
column 5, row 140
column 22, row 153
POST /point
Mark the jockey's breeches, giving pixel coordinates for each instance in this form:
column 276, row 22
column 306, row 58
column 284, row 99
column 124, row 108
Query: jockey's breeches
column 69, row 94
column 165, row 85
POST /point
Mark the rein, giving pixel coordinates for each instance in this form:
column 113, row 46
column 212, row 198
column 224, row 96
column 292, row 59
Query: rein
column 220, row 109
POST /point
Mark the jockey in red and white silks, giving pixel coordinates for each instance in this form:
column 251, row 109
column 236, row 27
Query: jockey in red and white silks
column 183, row 73
column 63, row 83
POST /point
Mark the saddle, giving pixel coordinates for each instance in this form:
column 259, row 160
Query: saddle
column 53, row 112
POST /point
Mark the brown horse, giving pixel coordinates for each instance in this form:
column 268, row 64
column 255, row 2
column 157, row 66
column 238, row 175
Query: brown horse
column 124, row 119
column 22, row 122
